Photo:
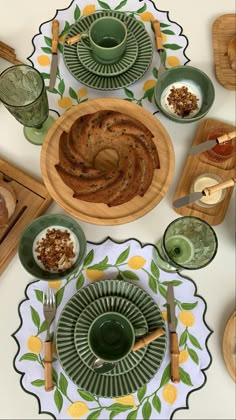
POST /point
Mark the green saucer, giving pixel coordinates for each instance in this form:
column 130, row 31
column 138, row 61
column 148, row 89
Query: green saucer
column 127, row 60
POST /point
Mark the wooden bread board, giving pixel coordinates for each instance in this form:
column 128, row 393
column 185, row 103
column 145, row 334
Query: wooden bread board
column 223, row 30
column 32, row 200
column 200, row 164
column 99, row 213
column 229, row 346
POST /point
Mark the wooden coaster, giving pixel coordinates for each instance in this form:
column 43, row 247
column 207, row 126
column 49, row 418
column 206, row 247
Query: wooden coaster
column 99, row 213
column 200, row 164
column 32, row 200
column 223, row 30
column 229, row 346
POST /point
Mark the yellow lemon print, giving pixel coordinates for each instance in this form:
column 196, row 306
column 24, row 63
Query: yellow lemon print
column 164, row 37
column 82, row 92
column 94, row 275
column 169, row 393
column 54, row 284
column 89, row 9
column 65, row 102
column 34, row 344
column 187, row 318
column 149, row 84
column 183, row 356
column 43, row 60
column 136, row 262
column 164, row 314
column 172, row 61
column 146, row 16
column 128, row 400
column 77, row 410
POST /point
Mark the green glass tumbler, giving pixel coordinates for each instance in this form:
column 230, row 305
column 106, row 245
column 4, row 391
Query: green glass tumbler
column 23, row 92
column 188, row 243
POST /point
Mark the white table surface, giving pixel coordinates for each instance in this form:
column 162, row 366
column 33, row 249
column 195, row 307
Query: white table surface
column 19, row 22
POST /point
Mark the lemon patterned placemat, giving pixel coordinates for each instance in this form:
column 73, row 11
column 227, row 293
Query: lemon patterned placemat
column 160, row 398
column 68, row 91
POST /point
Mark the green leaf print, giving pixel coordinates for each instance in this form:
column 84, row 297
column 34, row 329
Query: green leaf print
column 29, row 356
column 142, row 9
column 156, row 402
column 60, row 47
column 38, row 382
column 43, row 327
column 155, row 270
column 47, row 50
column 193, row 355
column 54, row 375
column 73, row 94
column 121, row 4
column 119, row 408
column 174, row 282
column 194, row 341
column 153, row 284
column 87, row 396
column 63, row 384
column 61, row 87
column 123, row 256
column 168, row 32
column 189, row 306
column 104, row 5
column 149, row 94
column 94, row 415
column 58, row 400
column 132, row 415
column 39, row 293
column 65, row 30
column 172, row 46
column 165, row 376
column 147, row 410
column 35, row 317
column 89, row 258
column 184, row 377
column 45, row 75
column 59, row 296
column 164, row 25
column 48, row 41
column 77, row 13
column 155, row 72
column 183, row 338
column 162, row 291
column 129, row 93
column 130, row 275
column 141, row 392
column 80, row 282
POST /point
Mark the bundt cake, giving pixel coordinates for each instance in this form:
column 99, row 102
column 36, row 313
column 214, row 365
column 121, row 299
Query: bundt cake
column 103, row 132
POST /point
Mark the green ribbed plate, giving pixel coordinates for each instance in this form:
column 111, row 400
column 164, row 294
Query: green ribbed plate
column 76, row 369
column 86, row 57
column 134, row 73
column 100, row 306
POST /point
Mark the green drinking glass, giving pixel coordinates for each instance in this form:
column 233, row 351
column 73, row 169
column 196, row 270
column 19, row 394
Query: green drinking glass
column 188, row 243
column 23, row 92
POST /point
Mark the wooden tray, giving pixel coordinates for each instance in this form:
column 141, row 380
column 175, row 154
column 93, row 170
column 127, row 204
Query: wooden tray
column 199, row 164
column 97, row 213
column 229, row 346
column 223, row 29
column 32, row 200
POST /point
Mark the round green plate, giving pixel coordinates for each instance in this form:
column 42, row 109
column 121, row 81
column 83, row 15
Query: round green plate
column 78, row 371
column 100, row 306
column 134, row 73
column 88, row 60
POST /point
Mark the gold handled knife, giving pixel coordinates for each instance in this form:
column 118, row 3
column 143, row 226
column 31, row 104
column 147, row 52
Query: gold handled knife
column 159, row 45
column 174, row 345
column 53, row 72
column 207, row 145
column 195, row 196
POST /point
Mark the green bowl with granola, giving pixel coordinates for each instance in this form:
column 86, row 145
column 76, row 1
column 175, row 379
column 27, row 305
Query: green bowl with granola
column 184, row 94
column 52, row 247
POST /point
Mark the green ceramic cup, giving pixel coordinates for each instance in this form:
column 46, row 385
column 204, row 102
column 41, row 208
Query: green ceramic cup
column 107, row 38
column 111, row 336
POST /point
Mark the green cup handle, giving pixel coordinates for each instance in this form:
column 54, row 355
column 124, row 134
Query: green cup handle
column 139, row 332
column 83, row 36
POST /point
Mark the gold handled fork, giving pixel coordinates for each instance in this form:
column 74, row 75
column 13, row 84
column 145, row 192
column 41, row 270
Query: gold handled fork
column 49, row 310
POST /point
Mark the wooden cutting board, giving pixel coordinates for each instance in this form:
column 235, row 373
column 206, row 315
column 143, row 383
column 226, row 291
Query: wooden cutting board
column 199, row 164
column 229, row 346
column 99, row 213
column 223, row 30
column 32, row 200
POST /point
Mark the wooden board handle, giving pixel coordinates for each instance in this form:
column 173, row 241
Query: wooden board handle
column 48, row 366
column 174, row 357
column 144, row 341
column 210, row 190
column 55, row 33
column 226, row 137
column 73, row 39
column 158, row 37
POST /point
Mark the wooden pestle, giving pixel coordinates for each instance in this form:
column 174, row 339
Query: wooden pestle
column 226, row 137
column 210, row 190
column 73, row 39
column 144, row 341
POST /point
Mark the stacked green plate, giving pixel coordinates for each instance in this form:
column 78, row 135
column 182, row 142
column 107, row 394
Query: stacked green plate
column 118, row 81
column 100, row 306
column 83, row 376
